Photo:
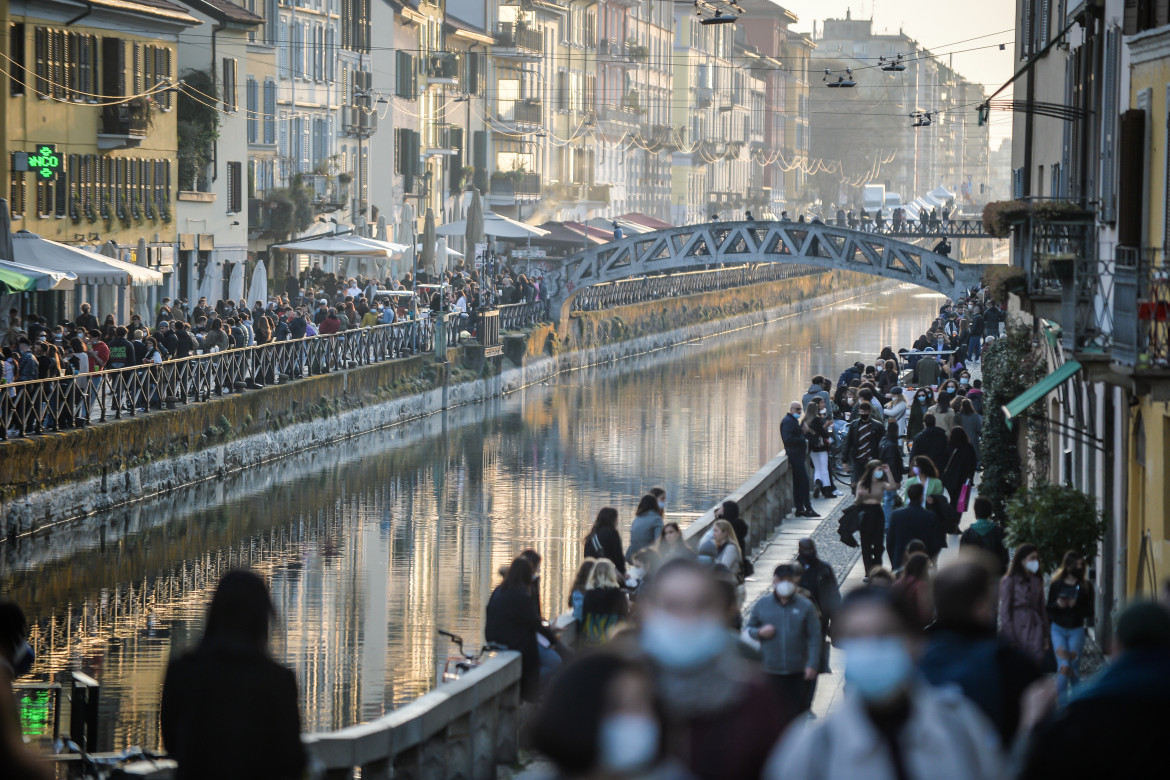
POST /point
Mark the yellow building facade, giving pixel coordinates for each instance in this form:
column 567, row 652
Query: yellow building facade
column 100, row 97
column 1148, row 527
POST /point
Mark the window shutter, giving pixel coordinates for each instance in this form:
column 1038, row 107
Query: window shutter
column 252, row 109
column 306, row 163
column 456, row 160
column 269, row 111
column 1132, row 165
column 282, row 49
column 1026, row 30
column 1109, row 109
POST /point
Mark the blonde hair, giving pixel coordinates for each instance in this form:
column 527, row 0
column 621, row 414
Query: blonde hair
column 729, row 532
column 604, row 575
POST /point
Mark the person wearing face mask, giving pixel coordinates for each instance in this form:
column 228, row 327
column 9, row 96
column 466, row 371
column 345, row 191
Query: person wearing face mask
column 714, row 697
column 819, row 582
column 863, row 441
column 926, row 370
column 890, row 724
column 796, row 448
column 1071, row 606
column 788, row 628
column 815, row 424
column 1023, row 612
column 932, row 442
column 601, row 718
column 16, row 659
column 896, row 409
column 870, row 494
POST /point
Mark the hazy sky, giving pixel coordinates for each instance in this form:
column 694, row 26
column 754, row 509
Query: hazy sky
column 939, row 25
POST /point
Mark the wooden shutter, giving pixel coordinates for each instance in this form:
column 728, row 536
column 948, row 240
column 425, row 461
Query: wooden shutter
column 1131, row 178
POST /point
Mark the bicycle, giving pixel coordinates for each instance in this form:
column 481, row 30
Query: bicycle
column 457, row 665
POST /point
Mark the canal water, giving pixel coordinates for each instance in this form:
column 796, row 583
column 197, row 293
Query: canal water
column 374, row 544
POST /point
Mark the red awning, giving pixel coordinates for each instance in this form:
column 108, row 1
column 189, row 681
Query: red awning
column 643, row 219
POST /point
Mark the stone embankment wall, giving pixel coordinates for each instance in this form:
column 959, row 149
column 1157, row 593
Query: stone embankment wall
column 57, row 477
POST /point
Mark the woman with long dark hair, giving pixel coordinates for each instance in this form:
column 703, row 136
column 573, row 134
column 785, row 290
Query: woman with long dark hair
column 869, row 493
column 604, row 541
column 960, row 465
column 1023, row 613
column 513, row 620
column 647, row 525
column 228, row 710
column 1070, row 606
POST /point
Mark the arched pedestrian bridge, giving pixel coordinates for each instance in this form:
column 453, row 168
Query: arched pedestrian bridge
column 805, row 243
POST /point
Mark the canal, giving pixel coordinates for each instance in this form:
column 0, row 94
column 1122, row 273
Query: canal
column 373, row 544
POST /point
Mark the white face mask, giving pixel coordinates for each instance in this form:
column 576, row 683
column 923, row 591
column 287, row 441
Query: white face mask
column 879, row 474
column 785, row 588
column 1032, row 566
column 628, row 743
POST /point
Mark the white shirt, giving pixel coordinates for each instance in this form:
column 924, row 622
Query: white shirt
column 461, row 304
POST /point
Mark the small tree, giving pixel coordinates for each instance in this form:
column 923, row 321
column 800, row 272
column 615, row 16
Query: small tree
column 1010, row 366
column 1055, row 518
column 198, row 128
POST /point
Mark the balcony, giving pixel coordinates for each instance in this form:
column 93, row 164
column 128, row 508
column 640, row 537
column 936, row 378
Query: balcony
column 528, row 112
column 518, row 41
column 444, row 139
column 327, row 194
column 123, row 126
column 443, row 68
column 512, row 186
column 1141, row 314
column 623, row 114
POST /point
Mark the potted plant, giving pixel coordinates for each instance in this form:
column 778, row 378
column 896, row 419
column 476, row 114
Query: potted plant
column 1055, row 518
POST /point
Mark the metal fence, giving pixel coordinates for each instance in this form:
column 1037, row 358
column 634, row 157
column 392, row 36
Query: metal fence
column 73, row 401
column 59, row 403
column 647, row 288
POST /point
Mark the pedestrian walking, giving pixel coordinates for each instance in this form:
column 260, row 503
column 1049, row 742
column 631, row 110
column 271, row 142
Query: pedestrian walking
column 960, row 468
column 889, row 725
column 931, row 443
column 914, row 521
column 870, row 494
column 987, row 535
column 1070, row 607
column 723, row 715
column 604, row 541
column 962, row 649
column 601, row 718
column 796, row 448
column 1114, row 725
column 815, row 424
column 228, row 709
column 1023, row 611
column 862, row 441
column 788, row 628
column 819, row 582
column 895, row 409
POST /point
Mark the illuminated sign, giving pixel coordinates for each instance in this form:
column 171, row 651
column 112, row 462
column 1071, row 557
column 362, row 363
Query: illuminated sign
column 44, row 162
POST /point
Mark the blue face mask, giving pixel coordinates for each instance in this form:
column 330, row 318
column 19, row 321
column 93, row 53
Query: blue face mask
column 679, row 643
column 877, row 668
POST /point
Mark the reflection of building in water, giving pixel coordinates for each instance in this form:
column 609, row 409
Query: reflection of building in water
column 374, row 543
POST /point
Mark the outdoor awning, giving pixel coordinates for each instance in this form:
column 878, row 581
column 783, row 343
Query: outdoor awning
column 337, row 246
column 494, row 225
column 645, row 220
column 1039, row 390
column 32, row 250
column 24, row 278
column 561, row 234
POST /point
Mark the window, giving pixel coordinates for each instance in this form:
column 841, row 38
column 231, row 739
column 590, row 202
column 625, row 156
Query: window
column 269, row 111
column 16, row 53
column 17, row 189
column 234, row 187
column 230, row 99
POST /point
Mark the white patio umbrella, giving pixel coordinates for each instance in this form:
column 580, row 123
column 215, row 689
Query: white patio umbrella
column 258, row 290
column 440, row 250
column 236, row 282
column 333, row 246
column 494, row 225
column 32, row 250
column 211, row 285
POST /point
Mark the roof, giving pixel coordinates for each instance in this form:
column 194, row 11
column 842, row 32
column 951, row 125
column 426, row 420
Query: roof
column 161, row 8
column 457, row 25
column 226, row 10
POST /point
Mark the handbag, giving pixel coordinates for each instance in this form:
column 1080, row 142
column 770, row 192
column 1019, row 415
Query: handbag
column 964, row 497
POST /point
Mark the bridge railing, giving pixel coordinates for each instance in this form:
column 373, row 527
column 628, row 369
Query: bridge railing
column 624, row 292
column 515, row 316
column 922, row 228
column 462, row 729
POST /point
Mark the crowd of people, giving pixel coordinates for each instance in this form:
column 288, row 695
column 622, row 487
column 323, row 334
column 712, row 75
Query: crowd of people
column 315, row 303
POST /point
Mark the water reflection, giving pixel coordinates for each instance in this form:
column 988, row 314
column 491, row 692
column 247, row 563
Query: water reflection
column 372, row 544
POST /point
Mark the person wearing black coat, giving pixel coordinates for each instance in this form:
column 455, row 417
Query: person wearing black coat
column 931, row 443
column 604, row 541
column 890, row 453
column 513, row 620
column 914, row 521
column 960, row 464
column 229, row 711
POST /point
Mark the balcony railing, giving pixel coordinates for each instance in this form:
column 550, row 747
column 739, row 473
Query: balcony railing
column 519, row 37
column 529, row 112
column 123, row 125
column 444, row 136
column 1141, row 310
column 443, row 66
column 521, row 186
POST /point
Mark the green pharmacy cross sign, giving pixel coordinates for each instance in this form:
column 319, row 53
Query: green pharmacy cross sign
column 44, row 162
